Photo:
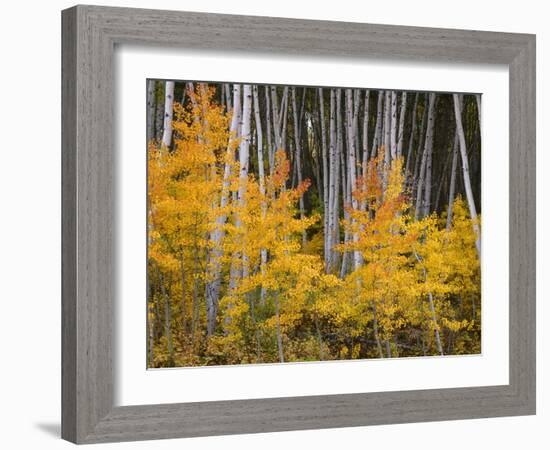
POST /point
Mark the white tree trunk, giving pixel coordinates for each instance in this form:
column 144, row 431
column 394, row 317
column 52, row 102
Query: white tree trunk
column 168, row 113
column 393, row 136
column 387, row 130
column 420, row 145
column 452, row 183
column 260, row 144
column 324, row 156
column 387, row 139
column 284, row 116
column 298, row 145
column 239, row 261
column 364, row 167
column 365, row 134
column 244, row 146
column 332, row 184
column 351, row 123
column 420, row 185
column 342, row 177
column 276, row 121
column 346, row 194
column 429, row 147
column 411, row 137
column 466, row 172
column 337, row 174
column 261, row 175
column 270, row 149
column 401, row 131
column 356, row 105
column 377, row 139
column 213, row 284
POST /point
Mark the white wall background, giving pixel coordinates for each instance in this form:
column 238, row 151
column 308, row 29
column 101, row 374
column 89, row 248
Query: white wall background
column 30, row 223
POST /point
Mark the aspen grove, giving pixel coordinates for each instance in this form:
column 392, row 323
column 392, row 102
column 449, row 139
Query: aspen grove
column 305, row 224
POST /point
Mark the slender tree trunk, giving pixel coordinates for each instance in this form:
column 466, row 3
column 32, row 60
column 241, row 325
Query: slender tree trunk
column 324, row 156
column 183, row 303
column 411, row 137
column 355, row 123
column 436, row 329
column 150, row 110
column 260, row 145
column 168, row 113
column 393, row 135
column 150, row 326
column 387, row 140
column 429, row 157
column 333, row 162
column 387, row 134
column 420, row 186
column 284, row 116
column 229, row 104
column 365, row 159
column 319, row 337
column 244, row 147
column 159, row 116
column 388, row 348
column 213, row 284
column 352, row 163
column 167, row 318
column 377, row 139
column 420, row 145
column 346, row 191
column 196, row 287
column 151, row 343
column 298, row 145
column 346, row 188
column 279, row 334
column 340, row 175
column 420, row 209
column 452, row 184
column 466, row 172
column 313, row 154
column 432, row 305
column 375, row 329
column 401, row 132
column 270, row 149
column 240, row 262
column 276, row 120
column 478, row 103
column 365, row 165
column 261, row 177
column 191, row 89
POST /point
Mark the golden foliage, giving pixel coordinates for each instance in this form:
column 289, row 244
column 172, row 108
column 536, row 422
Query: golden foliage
column 276, row 299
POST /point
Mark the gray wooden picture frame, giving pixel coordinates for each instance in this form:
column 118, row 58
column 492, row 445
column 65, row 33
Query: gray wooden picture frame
column 90, row 34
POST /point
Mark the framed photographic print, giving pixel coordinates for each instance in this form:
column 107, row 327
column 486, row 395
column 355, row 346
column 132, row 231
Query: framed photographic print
column 279, row 224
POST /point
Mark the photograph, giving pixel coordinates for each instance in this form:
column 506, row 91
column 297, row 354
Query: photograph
column 291, row 224
column 264, row 225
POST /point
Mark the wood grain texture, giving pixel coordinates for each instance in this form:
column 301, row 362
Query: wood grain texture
column 68, row 227
column 88, row 196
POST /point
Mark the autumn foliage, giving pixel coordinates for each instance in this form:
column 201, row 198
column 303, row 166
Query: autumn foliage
column 414, row 291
